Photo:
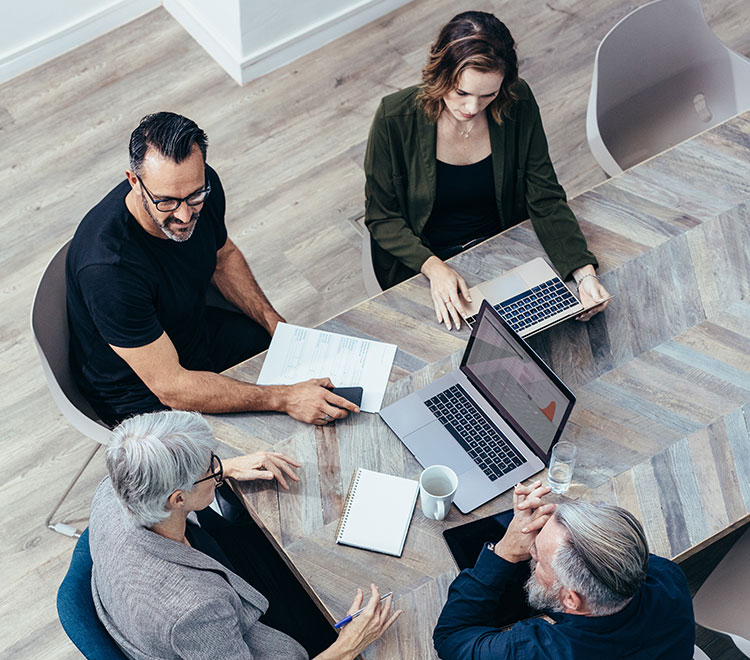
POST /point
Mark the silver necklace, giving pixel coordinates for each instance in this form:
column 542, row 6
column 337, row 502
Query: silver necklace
column 463, row 133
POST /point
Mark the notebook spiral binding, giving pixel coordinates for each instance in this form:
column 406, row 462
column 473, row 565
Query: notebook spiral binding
column 348, row 503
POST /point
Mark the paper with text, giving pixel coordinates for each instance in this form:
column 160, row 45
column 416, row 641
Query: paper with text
column 298, row 353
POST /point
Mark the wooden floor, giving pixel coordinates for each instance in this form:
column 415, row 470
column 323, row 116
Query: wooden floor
column 289, row 149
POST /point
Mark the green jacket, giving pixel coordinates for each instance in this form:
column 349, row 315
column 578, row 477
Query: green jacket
column 401, row 180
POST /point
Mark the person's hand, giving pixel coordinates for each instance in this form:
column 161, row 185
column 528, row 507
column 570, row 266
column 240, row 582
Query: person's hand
column 262, row 465
column 313, row 402
column 530, row 514
column 592, row 294
column 374, row 620
column 449, row 292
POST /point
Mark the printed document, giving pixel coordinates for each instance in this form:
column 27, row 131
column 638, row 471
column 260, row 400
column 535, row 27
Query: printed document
column 298, row 353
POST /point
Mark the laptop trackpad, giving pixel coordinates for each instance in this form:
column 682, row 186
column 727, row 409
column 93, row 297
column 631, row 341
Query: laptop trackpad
column 503, row 288
column 442, row 448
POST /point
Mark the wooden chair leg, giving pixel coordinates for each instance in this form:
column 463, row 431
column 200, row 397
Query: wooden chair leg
column 61, row 527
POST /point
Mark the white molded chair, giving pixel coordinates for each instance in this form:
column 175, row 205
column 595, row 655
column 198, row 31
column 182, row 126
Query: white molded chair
column 372, row 286
column 661, row 76
column 49, row 326
column 723, row 601
column 699, row 654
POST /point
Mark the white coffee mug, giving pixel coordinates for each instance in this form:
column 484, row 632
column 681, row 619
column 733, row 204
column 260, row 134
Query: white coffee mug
column 437, row 488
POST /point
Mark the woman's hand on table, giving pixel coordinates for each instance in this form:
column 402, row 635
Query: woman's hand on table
column 593, row 295
column 262, row 465
column 363, row 630
column 449, row 292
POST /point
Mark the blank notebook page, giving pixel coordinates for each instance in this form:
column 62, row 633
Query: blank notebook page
column 377, row 512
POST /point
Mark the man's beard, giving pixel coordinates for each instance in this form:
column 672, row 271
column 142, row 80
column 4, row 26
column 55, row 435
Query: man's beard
column 180, row 237
column 542, row 598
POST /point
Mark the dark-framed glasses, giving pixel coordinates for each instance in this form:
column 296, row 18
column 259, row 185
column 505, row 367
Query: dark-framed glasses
column 217, row 471
column 167, row 204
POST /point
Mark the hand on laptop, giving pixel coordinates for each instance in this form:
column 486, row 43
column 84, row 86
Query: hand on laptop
column 590, row 292
column 449, row 292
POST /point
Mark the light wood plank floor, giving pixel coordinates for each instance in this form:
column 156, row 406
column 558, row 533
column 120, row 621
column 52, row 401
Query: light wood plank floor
column 289, row 150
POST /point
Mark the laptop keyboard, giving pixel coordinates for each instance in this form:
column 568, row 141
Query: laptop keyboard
column 535, row 305
column 473, row 430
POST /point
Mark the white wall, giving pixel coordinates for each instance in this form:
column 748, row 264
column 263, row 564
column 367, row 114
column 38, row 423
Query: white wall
column 34, row 31
column 271, row 32
column 248, row 38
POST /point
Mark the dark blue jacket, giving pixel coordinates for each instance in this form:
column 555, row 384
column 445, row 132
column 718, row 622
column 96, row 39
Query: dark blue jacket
column 657, row 623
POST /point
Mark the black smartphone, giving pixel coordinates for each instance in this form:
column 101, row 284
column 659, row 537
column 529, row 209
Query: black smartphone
column 353, row 394
column 466, row 541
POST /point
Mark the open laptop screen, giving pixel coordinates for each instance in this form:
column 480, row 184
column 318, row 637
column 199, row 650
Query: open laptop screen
column 517, row 382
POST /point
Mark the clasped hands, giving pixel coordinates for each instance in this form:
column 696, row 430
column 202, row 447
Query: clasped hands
column 530, row 514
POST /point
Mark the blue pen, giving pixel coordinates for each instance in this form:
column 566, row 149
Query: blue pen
column 348, row 619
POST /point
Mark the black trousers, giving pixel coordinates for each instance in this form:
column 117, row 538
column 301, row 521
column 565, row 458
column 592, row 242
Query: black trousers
column 253, row 557
column 231, row 338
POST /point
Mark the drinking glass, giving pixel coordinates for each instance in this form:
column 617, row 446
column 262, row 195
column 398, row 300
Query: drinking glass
column 561, row 466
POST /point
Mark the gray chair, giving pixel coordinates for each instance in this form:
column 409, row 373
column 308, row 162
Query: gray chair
column 661, row 76
column 49, row 327
column 723, row 601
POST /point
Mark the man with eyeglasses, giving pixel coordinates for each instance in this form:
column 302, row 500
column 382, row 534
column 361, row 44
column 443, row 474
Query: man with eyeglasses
column 138, row 272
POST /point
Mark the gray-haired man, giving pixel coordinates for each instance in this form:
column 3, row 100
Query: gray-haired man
column 590, row 572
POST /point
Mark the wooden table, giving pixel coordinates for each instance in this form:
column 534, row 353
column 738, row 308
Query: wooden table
column 662, row 380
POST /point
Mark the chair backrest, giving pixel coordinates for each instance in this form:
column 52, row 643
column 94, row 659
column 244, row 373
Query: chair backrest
column 722, row 602
column 372, row 286
column 75, row 608
column 660, row 76
column 49, row 326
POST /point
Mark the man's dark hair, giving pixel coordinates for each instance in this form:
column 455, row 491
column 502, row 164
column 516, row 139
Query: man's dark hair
column 172, row 135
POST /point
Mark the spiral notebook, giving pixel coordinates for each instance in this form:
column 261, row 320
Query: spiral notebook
column 377, row 512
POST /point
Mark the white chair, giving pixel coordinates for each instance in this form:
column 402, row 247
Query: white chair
column 723, row 601
column 661, row 76
column 372, row 286
column 49, row 327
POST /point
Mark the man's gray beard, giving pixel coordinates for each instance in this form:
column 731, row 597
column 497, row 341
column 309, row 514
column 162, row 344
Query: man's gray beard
column 178, row 238
column 541, row 598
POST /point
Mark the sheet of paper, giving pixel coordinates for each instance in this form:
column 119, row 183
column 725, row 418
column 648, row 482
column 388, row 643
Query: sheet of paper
column 298, row 353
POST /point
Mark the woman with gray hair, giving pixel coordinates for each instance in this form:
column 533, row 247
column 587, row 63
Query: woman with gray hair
column 162, row 586
column 590, row 573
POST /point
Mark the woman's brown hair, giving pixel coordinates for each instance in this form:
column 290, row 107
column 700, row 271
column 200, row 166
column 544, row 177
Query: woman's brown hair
column 471, row 40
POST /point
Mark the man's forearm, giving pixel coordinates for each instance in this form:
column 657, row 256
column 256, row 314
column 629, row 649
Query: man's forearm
column 470, row 612
column 208, row 392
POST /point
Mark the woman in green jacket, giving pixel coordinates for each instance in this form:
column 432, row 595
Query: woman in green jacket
column 460, row 158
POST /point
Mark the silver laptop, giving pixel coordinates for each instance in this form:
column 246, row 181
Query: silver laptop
column 494, row 421
column 531, row 298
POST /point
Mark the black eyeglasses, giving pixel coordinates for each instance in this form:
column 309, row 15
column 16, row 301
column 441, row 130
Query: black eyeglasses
column 217, row 471
column 167, row 204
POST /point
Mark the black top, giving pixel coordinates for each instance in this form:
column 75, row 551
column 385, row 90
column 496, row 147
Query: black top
column 201, row 540
column 465, row 207
column 126, row 287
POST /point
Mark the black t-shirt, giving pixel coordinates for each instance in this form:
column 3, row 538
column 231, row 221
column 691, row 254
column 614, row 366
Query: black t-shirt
column 126, row 287
column 465, row 207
